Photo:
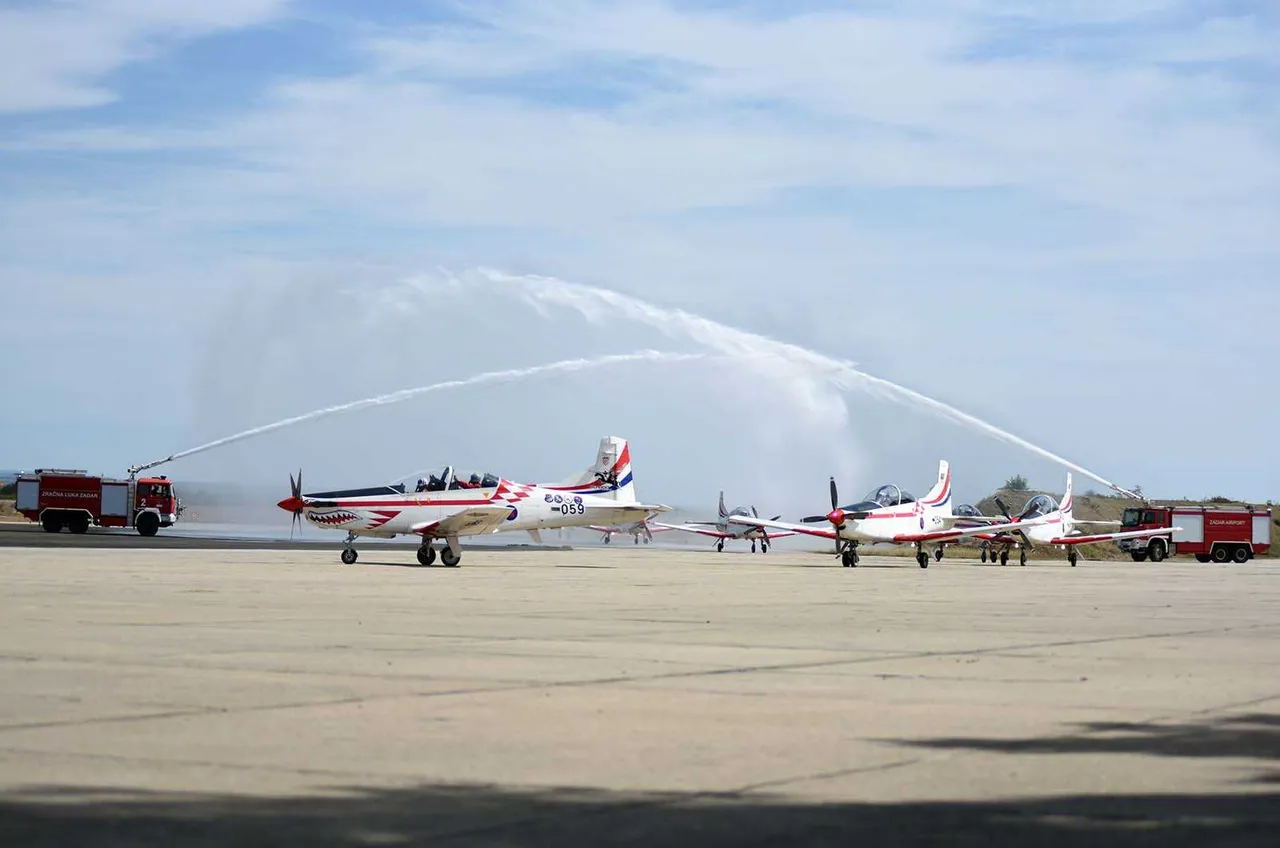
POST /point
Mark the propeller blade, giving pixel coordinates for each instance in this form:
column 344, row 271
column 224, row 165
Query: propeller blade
column 814, row 519
column 753, row 511
column 834, row 494
column 1004, row 509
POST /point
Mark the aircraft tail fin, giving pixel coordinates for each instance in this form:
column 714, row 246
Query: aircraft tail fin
column 939, row 497
column 724, row 513
column 1068, row 498
column 609, row 477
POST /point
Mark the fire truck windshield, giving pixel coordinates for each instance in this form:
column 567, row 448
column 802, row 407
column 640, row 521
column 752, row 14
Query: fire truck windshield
column 1131, row 518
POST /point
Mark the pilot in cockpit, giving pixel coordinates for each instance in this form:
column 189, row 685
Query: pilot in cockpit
column 473, row 482
column 422, row 485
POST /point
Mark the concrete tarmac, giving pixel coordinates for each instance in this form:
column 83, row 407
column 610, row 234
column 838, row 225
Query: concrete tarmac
column 633, row 696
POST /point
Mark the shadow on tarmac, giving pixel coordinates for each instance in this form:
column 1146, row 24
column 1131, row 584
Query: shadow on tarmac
column 498, row 815
column 490, row 815
column 1254, row 736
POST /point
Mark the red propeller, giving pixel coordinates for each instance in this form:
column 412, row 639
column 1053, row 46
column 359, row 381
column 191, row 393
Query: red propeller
column 294, row 503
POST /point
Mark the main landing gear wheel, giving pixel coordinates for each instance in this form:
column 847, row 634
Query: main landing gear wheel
column 426, row 555
column 1022, row 557
column 753, row 547
column 983, row 556
column 349, row 556
column 937, row 555
column 764, row 547
column 449, row 558
column 1004, row 557
column 923, row 559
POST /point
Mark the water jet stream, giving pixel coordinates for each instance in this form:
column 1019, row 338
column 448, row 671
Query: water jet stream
column 563, row 366
column 595, row 304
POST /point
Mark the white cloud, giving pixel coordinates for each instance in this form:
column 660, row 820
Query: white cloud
column 881, row 185
column 56, row 56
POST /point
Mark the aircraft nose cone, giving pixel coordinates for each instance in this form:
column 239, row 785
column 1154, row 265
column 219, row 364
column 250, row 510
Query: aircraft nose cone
column 291, row 504
column 836, row 517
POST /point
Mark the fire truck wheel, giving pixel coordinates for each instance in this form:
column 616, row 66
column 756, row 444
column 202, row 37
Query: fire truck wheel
column 148, row 524
column 1241, row 554
column 349, row 556
column 78, row 523
column 1202, row 557
column 51, row 522
column 1139, row 556
column 1156, row 550
column 1220, row 554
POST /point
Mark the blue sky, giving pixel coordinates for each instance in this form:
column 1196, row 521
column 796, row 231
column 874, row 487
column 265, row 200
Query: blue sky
column 1063, row 218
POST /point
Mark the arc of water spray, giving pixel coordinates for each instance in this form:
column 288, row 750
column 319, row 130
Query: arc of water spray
column 563, row 366
column 595, row 303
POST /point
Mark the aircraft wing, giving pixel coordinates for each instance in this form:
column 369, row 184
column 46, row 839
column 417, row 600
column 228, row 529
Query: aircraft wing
column 1111, row 537
column 966, row 532
column 790, row 529
column 474, row 521
column 624, row 513
column 693, row 528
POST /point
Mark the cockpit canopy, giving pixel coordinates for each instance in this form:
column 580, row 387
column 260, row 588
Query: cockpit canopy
column 885, row 496
column 966, row 511
column 890, row 495
column 449, row 479
column 1039, row 505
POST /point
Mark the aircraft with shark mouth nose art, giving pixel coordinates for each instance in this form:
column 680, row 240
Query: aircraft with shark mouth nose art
column 447, row 507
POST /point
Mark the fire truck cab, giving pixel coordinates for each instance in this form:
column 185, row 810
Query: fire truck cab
column 73, row 499
column 1210, row 533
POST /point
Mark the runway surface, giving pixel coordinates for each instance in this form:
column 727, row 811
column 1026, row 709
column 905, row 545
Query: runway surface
column 604, row 696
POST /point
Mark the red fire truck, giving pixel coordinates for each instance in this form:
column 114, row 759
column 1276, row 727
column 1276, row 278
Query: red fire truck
column 58, row 498
column 1211, row 533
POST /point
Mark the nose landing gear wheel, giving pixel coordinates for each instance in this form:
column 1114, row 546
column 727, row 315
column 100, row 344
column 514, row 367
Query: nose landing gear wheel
column 937, row 555
column 349, row 556
column 1073, row 557
column 983, row 556
column 426, row 555
column 923, row 559
column 449, row 558
column 720, row 546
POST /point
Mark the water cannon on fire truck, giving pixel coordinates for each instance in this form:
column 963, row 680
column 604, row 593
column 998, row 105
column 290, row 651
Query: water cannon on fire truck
column 1209, row 532
column 58, row 498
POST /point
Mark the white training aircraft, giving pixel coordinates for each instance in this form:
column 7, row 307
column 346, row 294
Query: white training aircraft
column 729, row 527
column 447, row 507
column 1045, row 522
column 892, row 515
column 638, row 530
